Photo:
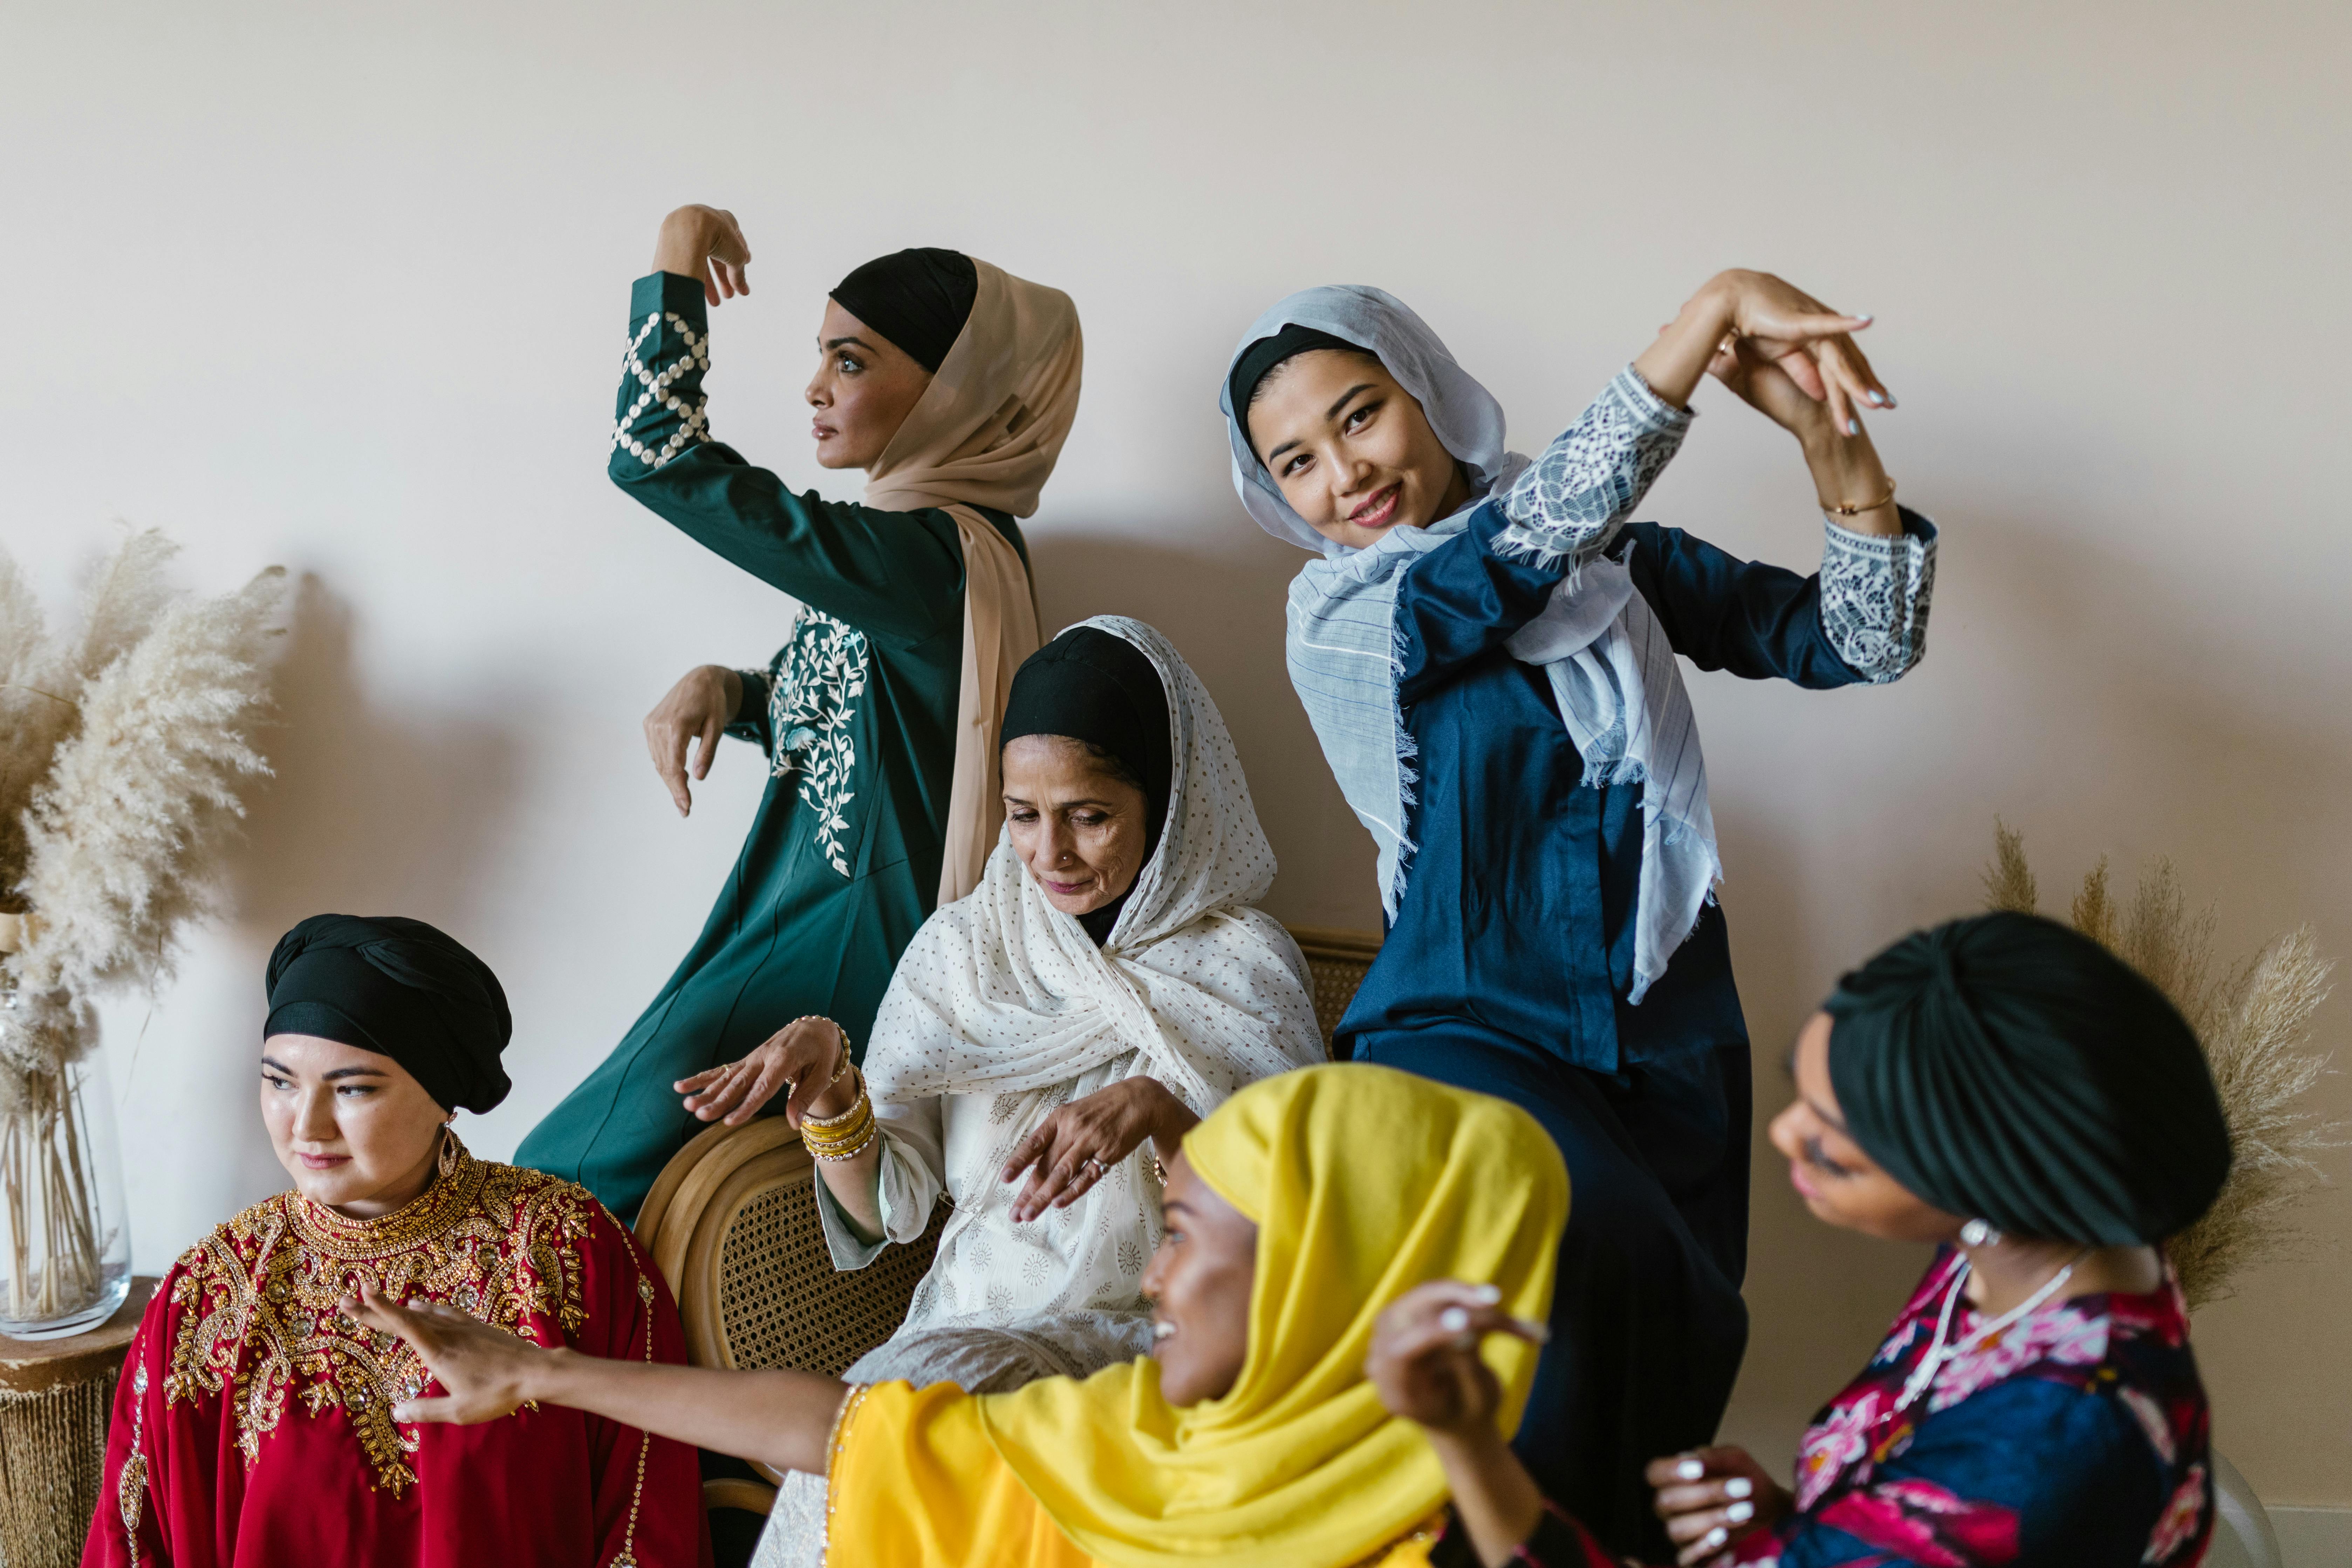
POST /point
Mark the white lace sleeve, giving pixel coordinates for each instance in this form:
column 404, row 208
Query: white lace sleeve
column 1875, row 593
column 1570, row 502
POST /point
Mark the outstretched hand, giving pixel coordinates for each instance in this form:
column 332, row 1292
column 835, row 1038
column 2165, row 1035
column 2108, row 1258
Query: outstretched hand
column 488, row 1371
column 806, row 1060
column 1782, row 329
column 706, row 243
column 1711, row 1497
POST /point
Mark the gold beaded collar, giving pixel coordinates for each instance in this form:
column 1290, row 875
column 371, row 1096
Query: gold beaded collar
column 448, row 1200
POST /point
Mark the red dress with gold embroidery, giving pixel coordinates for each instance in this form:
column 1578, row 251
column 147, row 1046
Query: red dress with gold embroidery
column 253, row 1425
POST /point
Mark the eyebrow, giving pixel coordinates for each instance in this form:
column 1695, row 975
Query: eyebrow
column 833, row 344
column 1174, row 1205
column 1329, row 414
column 274, row 1063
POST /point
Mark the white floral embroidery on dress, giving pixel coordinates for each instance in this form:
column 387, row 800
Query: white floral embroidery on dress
column 693, row 411
column 821, row 674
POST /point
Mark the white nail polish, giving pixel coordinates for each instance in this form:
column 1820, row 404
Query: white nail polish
column 1488, row 1295
column 1741, row 1512
column 1739, row 1486
column 1453, row 1319
column 1689, row 1470
column 1854, row 427
column 1715, row 1538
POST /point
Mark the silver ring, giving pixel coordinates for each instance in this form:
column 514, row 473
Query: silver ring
column 1099, row 1169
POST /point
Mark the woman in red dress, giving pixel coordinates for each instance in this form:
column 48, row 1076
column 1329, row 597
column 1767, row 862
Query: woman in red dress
column 253, row 1425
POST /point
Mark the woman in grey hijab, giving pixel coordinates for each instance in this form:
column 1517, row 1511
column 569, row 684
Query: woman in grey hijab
column 1487, row 648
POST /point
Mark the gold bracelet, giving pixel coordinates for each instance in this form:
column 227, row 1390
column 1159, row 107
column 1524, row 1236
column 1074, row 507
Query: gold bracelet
column 841, row 1129
column 837, row 1030
column 851, row 1153
column 1854, row 510
column 845, row 1142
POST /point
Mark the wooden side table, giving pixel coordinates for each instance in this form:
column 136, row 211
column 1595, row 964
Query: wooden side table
column 55, row 1398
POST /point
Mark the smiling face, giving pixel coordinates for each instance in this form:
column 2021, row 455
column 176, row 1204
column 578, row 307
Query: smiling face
column 356, row 1132
column 1351, row 450
column 1838, row 1182
column 1199, row 1286
column 1078, row 826
column 863, row 388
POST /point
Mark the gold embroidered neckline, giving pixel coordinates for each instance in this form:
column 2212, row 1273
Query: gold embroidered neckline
column 423, row 1219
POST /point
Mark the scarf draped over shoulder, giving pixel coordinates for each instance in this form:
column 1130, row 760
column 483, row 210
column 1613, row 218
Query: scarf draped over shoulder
column 986, row 433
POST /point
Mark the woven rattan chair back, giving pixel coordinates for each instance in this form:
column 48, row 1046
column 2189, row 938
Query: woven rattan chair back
column 1337, row 962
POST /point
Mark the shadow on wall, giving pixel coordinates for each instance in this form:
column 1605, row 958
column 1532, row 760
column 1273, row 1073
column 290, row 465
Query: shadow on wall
column 1224, row 614
column 373, row 811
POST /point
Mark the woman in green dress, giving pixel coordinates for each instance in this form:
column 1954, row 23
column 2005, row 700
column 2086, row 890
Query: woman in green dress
column 952, row 385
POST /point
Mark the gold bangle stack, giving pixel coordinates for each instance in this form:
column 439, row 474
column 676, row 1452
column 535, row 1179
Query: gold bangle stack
column 843, row 1136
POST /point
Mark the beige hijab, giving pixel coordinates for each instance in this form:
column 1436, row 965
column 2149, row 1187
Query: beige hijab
column 986, row 433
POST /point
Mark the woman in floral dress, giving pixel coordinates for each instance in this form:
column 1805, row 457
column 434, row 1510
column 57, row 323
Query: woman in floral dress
column 2004, row 1088
column 952, row 385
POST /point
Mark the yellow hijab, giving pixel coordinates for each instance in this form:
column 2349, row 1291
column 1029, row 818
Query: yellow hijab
column 987, row 432
column 1364, row 1182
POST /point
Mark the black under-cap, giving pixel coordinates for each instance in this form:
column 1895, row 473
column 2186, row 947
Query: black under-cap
column 402, row 989
column 1258, row 361
column 918, row 299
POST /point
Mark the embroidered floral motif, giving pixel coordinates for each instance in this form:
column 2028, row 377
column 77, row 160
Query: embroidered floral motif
column 2183, row 1516
column 1596, row 471
column 258, row 1300
column 1875, row 591
column 818, row 676
column 1924, row 1523
column 2063, row 1336
column 657, row 402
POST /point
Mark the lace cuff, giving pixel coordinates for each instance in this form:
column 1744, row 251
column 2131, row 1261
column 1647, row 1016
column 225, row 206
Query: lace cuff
column 1571, row 501
column 1874, row 594
column 661, row 410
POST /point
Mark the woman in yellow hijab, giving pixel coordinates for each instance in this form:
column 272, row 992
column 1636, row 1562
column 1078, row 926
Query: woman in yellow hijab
column 1298, row 1212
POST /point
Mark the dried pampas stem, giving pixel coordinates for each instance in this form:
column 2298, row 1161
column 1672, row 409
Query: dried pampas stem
column 121, row 754
column 2255, row 1022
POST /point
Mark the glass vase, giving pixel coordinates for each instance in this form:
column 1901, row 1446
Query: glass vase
column 65, row 1240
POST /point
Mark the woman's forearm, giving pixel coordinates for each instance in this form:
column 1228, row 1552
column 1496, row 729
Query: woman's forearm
column 779, row 1418
column 1495, row 1497
column 856, row 1185
column 1846, row 472
column 1673, row 364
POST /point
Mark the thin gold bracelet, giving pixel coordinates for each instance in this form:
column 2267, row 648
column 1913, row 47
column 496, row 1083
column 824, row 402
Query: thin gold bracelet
column 1850, row 509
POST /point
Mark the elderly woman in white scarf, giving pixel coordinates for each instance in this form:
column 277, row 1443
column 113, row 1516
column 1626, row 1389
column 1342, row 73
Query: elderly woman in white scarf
column 1047, row 1041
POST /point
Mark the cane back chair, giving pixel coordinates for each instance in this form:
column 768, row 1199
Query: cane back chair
column 731, row 1222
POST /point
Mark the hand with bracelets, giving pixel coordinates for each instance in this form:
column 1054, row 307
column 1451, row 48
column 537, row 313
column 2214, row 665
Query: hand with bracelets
column 807, row 1061
column 1079, row 1143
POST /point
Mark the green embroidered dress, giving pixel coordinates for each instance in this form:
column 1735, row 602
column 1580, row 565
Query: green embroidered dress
column 856, row 714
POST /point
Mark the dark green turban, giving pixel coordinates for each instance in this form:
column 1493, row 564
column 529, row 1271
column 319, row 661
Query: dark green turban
column 399, row 988
column 2011, row 1068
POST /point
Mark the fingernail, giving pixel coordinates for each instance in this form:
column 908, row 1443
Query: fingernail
column 1539, row 1332
column 1739, row 1486
column 1864, row 316
column 1741, row 1512
column 1887, row 398
column 1453, row 1319
column 1854, row 427
column 1488, row 1295
column 1689, row 1470
column 1716, row 1537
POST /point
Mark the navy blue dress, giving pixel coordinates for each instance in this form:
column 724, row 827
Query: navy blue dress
column 1510, row 957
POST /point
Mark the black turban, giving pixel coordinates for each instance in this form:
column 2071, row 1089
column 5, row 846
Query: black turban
column 399, row 988
column 1095, row 687
column 918, row 299
column 2011, row 1068
column 1258, row 359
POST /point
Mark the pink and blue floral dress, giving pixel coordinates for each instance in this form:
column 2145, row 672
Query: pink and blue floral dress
column 2077, row 1435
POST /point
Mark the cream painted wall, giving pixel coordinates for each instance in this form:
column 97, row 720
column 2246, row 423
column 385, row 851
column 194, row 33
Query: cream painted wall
column 347, row 294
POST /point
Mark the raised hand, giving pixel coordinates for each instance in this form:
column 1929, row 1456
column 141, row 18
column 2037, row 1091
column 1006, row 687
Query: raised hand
column 808, row 1058
column 1424, row 1362
column 698, row 708
column 1711, row 1497
column 1782, row 326
column 488, row 1371
column 1075, row 1146
column 707, row 243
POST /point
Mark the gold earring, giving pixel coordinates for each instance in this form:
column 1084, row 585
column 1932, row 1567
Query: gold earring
column 448, row 1161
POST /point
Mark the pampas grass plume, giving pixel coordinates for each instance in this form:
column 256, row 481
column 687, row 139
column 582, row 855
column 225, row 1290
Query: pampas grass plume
column 2255, row 1022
